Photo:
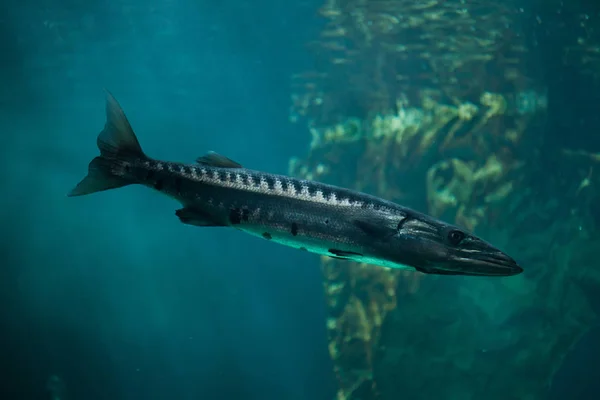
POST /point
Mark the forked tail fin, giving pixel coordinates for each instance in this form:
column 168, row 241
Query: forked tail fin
column 118, row 146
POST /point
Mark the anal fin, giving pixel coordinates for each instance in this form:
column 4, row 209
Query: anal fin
column 196, row 217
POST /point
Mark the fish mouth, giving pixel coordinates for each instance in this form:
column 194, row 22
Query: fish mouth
column 476, row 264
column 486, row 264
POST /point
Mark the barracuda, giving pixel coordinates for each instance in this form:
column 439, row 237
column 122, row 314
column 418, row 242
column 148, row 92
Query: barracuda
column 306, row 215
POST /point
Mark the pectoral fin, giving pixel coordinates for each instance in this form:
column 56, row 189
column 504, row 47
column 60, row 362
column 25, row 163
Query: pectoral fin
column 376, row 228
column 344, row 253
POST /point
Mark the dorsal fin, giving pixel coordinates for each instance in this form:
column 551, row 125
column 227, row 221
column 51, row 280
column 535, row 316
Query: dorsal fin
column 216, row 160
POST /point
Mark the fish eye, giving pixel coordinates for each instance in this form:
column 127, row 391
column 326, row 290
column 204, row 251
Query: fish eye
column 455, row 237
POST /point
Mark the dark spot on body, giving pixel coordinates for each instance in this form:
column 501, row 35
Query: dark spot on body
column 267, row 236
column 303, row 248
column 235, row 216
column 187, row 170
column 364, row 204
column 245, row 179
column 223, row 176
column 376, row 206
column 158, row 185
column 294, row 228
column 327, row 221
column 325, row 194
column 245, row 214
column 284, row 185
column 344, row 253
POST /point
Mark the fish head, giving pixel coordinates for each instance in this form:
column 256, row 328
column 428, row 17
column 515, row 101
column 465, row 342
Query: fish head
column 432, row 247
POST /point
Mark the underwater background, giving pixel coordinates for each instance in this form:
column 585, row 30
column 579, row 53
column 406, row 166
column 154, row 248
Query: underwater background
column 482, row 113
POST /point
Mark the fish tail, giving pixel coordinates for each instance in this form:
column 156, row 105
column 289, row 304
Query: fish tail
column 118, row 148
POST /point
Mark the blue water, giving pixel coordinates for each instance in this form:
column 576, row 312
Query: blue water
column 110, row 293
column 115, row 295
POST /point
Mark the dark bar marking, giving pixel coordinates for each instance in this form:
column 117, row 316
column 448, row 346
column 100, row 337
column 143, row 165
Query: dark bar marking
column 257, row 179
column 297, row 186
column 312, row 189
column 270, row 182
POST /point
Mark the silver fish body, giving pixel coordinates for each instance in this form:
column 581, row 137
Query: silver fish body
column 307, row 215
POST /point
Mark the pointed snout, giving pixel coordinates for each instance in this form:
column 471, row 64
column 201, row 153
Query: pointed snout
column 490, row 264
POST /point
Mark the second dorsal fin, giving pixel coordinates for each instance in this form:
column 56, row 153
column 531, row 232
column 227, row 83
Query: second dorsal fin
column 217, row 160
